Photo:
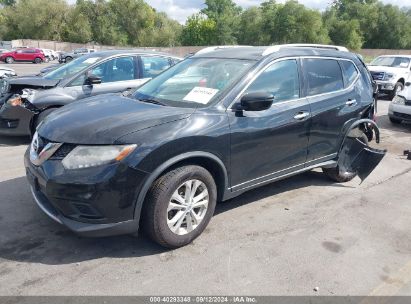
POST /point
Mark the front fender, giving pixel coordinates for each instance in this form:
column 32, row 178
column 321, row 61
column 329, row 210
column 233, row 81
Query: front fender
column 169, row 163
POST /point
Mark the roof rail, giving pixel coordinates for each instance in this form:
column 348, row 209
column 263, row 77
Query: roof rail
column 276, row 48
column 214, row 48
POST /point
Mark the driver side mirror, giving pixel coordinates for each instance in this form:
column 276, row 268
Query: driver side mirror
column 407, row 84
column 256, row 101
column 92, row 79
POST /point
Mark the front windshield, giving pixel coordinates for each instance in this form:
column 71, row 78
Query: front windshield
column 394, row 62
column 71, row 68
column 193, row 82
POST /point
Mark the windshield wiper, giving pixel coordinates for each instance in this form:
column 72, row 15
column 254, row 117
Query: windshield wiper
column 151, row 100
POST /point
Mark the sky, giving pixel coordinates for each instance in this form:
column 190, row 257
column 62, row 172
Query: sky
column 181, row 9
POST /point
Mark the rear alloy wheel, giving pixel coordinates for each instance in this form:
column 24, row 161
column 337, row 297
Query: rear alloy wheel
column 9, row 59
column 339, row 176
column 179, row 206
column 38, row 60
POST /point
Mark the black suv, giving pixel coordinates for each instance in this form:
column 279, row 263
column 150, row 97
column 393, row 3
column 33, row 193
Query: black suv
column 221, row 122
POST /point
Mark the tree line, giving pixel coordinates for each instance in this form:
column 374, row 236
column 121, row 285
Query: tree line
column 352, row 23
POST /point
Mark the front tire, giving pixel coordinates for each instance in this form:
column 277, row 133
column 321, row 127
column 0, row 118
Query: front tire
column 38, row 60
column 68, row 59
column 336, row 175
column 179, row 206
column 397, row 88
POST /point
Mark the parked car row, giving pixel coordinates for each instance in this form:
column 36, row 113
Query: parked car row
column 194, row 132
column 69, row 56
column 28, row 100
column 392, row 74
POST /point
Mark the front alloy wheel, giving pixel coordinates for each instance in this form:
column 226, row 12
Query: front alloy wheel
column 187, row 207
column 179, row 206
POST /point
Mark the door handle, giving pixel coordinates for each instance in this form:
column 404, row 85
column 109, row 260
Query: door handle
column 301, row 115
column 351, row 102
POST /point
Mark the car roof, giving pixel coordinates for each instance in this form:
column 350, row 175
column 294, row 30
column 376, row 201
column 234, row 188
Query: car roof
column 406, row 56
column 260, row 52
column 109, row 53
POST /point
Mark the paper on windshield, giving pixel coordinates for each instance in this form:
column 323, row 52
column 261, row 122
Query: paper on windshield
column 201, row 95
column 91, row 60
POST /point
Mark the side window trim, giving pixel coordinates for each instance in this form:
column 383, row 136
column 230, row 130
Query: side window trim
column 335, row 58
column 268, row 65
column 346, row 84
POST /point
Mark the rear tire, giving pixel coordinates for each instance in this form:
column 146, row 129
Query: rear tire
column 9, row 60
column 395, row 120
column 171, row 222
column 68, row 59
column 342, row 177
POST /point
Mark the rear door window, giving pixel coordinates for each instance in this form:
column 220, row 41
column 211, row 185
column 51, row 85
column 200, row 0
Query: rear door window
column 350, row 72
column 154, row 65
column 323, row 76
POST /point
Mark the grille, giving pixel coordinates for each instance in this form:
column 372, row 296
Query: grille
column 378, row 75
column 63, row 151
column 402, row 115
column 9, row 124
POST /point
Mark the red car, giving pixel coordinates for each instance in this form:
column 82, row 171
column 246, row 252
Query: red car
column 26, row 54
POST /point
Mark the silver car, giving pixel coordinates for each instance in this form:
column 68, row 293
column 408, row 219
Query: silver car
column 26, row 101
column 400, row 107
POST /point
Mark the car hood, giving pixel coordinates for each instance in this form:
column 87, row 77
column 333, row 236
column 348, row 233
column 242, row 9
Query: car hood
column 105, row 118
column 6, row 68
column 31, row 82
column 379, row 68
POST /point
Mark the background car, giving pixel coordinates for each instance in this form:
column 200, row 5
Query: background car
column 67, row 57
column 6, row 72
column 390, row 72
column 49, row 54
column 23, row 54
column 26, row 101
column 400, row 107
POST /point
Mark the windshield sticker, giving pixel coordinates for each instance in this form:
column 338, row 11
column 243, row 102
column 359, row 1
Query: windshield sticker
column 91, row 60
column 201, row 95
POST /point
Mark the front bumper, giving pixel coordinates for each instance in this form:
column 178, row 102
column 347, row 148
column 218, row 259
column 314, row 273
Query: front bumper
column 95, row 202
column 385, row 86
column 15, row 121
column 401, row 112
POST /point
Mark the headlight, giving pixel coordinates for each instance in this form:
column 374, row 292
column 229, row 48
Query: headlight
column 91, row 156
column 388, row 76
column 399, row 100
column 15, row 100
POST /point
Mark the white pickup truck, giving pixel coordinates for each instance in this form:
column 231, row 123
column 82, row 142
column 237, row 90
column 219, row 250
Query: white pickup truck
column 391, row 72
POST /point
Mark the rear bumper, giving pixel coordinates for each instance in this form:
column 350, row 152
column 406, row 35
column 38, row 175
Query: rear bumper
column 15, row 121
